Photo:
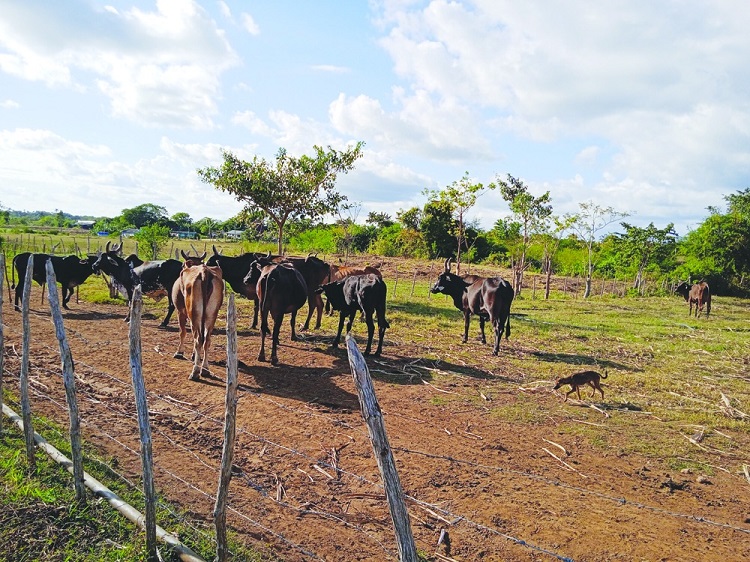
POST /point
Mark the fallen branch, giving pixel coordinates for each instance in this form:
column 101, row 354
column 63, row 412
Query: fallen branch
column 440, row 389
column 563, row 449
column 566, row 465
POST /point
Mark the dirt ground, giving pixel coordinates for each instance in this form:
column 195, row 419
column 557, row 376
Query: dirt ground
column 305, row 483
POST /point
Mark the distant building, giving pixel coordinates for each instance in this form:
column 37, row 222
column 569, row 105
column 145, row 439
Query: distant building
column 235, row 234
column 184, row 234
column 130, row 232
column 86, row 225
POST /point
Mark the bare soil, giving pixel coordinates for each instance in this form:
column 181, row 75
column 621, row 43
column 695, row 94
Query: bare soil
column 305, row 483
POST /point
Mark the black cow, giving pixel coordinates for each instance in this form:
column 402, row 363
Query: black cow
column 281, row 289
column 70, row 271
column 488, row 298
column 699, row 294
column 315, row 272
column 156, row 278
column 234, row 270
column 359, row 292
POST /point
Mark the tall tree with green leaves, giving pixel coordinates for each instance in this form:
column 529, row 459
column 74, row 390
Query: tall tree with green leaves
column 642, row 247
column 290, row 188
column 460, row 196
column 588, row 222
column 144, row 215
column 531, row 212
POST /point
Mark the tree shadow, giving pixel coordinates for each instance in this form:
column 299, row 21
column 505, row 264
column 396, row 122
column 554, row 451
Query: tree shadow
column 582, row 360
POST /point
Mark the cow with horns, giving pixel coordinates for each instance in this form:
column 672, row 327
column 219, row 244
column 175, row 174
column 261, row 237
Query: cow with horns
column 198, row 294
column 156, row 278
column 488, row 298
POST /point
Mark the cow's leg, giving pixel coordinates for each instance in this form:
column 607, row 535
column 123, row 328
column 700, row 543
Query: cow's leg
column 198, row 340
column 263, row 331
column 255, row 313
column 43, row 285
column 382, row 325
column 19, row 292
column 370, row 330
column 337, row 339
column 170, row 310
column 481, row 329
column 182, row 320
column 467, row 316
column 497, row 325
column 277, row 321
column 319, row 308
column 66, row 294
column 291, row 325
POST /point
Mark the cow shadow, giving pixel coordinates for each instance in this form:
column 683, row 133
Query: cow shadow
column 312, row 385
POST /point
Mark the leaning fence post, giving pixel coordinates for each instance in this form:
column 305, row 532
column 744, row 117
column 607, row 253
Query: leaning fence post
column 429, row 280
column 28, row 430
column 220, row 508
column 413, row 282
column 141, row 405
column 384, row 457
column 70, row 388
column 2, row 338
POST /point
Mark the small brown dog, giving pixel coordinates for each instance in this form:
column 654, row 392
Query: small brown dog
column 578, row 380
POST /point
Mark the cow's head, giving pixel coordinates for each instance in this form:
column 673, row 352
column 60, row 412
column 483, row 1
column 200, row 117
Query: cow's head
column 447, row 282
column 255, row 269
column 334, row 292
column 191, row 261
column 683, row 289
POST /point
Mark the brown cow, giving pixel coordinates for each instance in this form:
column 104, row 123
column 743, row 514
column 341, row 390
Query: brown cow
column 699, row 294
column 198, row 293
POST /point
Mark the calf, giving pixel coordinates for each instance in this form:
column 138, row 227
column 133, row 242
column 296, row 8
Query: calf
column 489, row 298
column 699, row 294
column 339, row 272
column 156, row 278
column 281, row 289
column 70, row 271
column 198, row 293
column 359, row 292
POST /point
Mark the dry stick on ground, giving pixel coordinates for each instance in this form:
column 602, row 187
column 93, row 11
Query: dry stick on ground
column 563, row 449
column 562, row 461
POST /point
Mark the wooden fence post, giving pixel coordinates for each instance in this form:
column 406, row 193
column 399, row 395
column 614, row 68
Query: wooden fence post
column 373, row 418
column 533, row 289
column 2, row 337
column 413, row 282
column 70, row 385
column 395, row 285
column 429, row 280
column 141, row 405
column 220, row 508
column 28, row 430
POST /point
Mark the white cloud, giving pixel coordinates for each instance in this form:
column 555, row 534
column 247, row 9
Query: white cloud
column 331, row 68
column 9, row 104
column 158, row 67
column 249, row 25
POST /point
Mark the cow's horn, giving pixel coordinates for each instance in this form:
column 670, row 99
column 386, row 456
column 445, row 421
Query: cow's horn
column 215, row 250
column 184, row 255
column 106, row 249
column 447, row 264
column 203, row 256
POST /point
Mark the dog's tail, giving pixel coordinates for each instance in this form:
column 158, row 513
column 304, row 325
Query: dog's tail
column 604, row 376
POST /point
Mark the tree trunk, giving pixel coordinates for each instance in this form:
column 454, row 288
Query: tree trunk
column 280, row 249
column 549, row 279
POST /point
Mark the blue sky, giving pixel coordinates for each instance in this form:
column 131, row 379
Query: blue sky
column 643, row 106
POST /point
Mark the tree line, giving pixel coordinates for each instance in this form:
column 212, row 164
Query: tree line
column 293, row 203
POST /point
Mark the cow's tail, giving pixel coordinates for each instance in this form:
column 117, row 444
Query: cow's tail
column 206, row 289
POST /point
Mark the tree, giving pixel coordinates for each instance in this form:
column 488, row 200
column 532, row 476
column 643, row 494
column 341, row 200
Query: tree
column 459, row 196
column 410, row 218
column 640, row 247
column 531, row 212
column 552, row 238
column 206, row 226
column 588, row 222
column 437, row 226
column 154, row 237
column 144, row 215
column 379, row 220
column 182, row 221
column 292, row 188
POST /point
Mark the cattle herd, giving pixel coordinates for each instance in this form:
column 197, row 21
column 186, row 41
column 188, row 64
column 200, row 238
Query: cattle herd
column 280, row 285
